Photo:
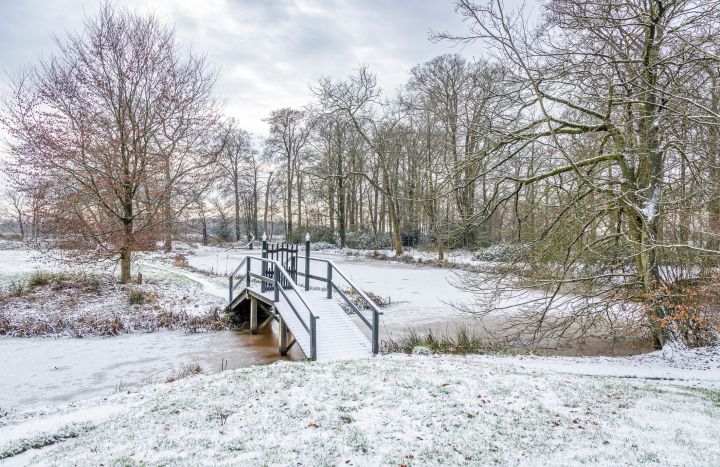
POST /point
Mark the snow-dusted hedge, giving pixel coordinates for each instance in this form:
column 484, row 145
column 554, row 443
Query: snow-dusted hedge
column 365, row 240
column 318, row 246
column 499, row 252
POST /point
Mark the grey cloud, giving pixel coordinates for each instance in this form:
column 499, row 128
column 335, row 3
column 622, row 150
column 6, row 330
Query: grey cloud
column 269, row 51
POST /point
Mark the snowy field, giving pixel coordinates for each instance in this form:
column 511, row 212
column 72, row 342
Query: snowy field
column 392, row 410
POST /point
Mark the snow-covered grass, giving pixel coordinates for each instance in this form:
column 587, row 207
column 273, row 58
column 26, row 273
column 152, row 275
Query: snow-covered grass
column 51, row 299
column 392, row 410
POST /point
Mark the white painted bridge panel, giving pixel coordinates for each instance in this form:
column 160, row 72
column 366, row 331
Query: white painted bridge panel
column 337, row 336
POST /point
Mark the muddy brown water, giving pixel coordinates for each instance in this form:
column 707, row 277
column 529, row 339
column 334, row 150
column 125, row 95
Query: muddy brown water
column 40, row 371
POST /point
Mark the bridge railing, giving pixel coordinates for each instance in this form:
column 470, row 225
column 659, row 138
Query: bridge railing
column 278, row 289
column 331, row 284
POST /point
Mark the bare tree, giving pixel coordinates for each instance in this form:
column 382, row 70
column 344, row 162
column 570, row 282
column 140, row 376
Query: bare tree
column 17, row 203
column 360, row 101
column 603, row 87
column 121, row 122
column 289, row 133
column 240, row 170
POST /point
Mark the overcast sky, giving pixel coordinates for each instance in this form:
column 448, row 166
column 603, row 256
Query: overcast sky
column 269, row 51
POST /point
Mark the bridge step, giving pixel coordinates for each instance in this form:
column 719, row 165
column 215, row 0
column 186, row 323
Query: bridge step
column 338, row 337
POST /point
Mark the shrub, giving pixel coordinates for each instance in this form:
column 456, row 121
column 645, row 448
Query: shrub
column 222, row 230
column 185, row 371
column 15, row 289
column 460, row 341
column 136, row 296
column 295, row 237
column 360, row 302
column 322, row 246
column 39, row 279
column 323, row 235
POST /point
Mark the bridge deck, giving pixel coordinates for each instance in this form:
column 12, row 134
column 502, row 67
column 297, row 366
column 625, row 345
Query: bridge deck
column 338, row 337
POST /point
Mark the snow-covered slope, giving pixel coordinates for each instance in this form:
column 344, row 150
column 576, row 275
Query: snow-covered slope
column 396, row 410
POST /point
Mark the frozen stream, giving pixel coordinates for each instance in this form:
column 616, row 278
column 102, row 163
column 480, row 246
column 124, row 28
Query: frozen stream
column 418, row 293
column 44, row 370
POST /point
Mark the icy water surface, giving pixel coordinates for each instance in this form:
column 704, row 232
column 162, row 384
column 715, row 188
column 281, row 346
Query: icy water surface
column 37, row 371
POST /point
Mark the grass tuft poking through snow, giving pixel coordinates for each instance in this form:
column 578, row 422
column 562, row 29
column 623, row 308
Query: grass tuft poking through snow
column 390, row 410
column 459, row 340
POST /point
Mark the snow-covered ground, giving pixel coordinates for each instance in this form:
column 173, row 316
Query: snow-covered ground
column 391, row 410
column 51, row 299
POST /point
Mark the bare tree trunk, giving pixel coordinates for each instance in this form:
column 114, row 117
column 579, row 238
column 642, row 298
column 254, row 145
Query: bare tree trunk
column 331, row 202
column 288, row 219
column 395, row 225
column 126, row 250
column 299, row 202
column 237, row 212
column 267, row 194
column 255, row 208
column 341, row 208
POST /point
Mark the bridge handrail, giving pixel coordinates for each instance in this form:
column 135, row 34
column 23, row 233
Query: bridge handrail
column 376, row 313
column 278, row 289
column 360, row 292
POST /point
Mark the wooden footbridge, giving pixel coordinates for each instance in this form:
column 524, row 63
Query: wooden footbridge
column 313, row 319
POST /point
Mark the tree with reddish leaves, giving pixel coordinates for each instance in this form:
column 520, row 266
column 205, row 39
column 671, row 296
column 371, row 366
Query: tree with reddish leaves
column 122, row 126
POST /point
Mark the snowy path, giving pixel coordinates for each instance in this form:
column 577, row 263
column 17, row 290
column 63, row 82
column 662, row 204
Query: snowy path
column 695, row 368
column 207, row 285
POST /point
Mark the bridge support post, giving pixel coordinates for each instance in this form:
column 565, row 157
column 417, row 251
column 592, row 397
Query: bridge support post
column 253, row 315
column 283, row 336
column 276, row 297
column 375, row 332
column 231, row 290
column 307, row 262
column 263, row 286
column 313, row 338
column 247, row 282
